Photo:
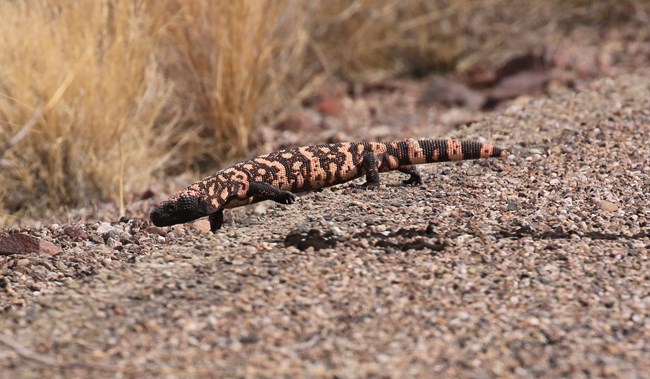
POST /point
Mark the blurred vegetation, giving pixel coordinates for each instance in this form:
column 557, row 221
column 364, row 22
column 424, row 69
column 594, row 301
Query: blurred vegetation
column 125, row 90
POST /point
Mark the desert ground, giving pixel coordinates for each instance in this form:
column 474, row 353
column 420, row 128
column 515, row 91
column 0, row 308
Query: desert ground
column 537, row 265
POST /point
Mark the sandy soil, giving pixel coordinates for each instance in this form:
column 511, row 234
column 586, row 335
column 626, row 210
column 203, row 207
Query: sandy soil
column 532, row 266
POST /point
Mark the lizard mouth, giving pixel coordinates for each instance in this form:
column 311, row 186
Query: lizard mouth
column 161, row 218
column 174, row 212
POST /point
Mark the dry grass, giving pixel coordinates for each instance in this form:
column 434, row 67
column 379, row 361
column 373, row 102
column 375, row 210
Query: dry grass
column 71, row 156
column 182, row 84
column 233, row 64
column 186, row 80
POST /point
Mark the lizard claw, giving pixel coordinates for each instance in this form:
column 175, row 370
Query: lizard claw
column 287, row 198
column 415, row 181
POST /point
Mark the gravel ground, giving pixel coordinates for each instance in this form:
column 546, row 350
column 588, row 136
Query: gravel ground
column 532, row 266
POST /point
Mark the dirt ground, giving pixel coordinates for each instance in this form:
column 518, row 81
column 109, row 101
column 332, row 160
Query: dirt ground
column 537, row 265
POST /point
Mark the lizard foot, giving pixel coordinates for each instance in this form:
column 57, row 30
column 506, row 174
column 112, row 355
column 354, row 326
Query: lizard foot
column 285, row 197
column 413, row 180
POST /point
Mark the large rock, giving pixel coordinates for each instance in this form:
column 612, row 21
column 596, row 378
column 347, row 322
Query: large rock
column 19, row 243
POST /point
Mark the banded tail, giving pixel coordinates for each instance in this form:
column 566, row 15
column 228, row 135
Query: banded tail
column 431, row 151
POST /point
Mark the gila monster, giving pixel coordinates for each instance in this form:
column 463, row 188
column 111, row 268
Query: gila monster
column 277, row 176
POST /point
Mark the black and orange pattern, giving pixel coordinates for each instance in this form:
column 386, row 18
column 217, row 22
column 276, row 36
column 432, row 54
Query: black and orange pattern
column 278, row 175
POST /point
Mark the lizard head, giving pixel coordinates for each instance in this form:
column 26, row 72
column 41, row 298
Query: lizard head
column 183, row 207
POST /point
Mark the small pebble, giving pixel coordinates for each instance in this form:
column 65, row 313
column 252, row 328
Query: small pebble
column 608, row 206
column 105, row 228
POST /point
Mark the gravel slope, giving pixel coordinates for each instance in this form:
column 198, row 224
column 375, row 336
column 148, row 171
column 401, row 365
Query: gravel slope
column 533, row 266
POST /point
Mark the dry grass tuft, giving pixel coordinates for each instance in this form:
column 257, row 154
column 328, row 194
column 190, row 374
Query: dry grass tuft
column 233, row 64
column 71, row 155
column 169, row 84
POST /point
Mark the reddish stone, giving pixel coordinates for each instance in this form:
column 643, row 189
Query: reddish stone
column 451, row 93
column 523, row 83
column 202, row 226
column 303, row 120
column 75, row 233
column 330, row 106
column 148, row 194
column 152, row 229
column 19, row 243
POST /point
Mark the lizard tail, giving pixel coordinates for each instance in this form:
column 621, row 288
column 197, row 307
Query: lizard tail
column 430, row 151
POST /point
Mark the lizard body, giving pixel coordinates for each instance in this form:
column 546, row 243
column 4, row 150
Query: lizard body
column 278, row 175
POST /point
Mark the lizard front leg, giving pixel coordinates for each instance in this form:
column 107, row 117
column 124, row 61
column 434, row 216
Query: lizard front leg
column 371, row 166
column 257, row 190
column 216, row 217
column 265, row 191
column 216, row 220
column 415, row 178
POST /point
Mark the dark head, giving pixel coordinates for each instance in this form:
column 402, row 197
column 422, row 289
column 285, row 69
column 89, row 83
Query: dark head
column 183, row 207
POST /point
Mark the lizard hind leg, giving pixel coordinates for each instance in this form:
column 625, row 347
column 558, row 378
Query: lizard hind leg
column 415, row 177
